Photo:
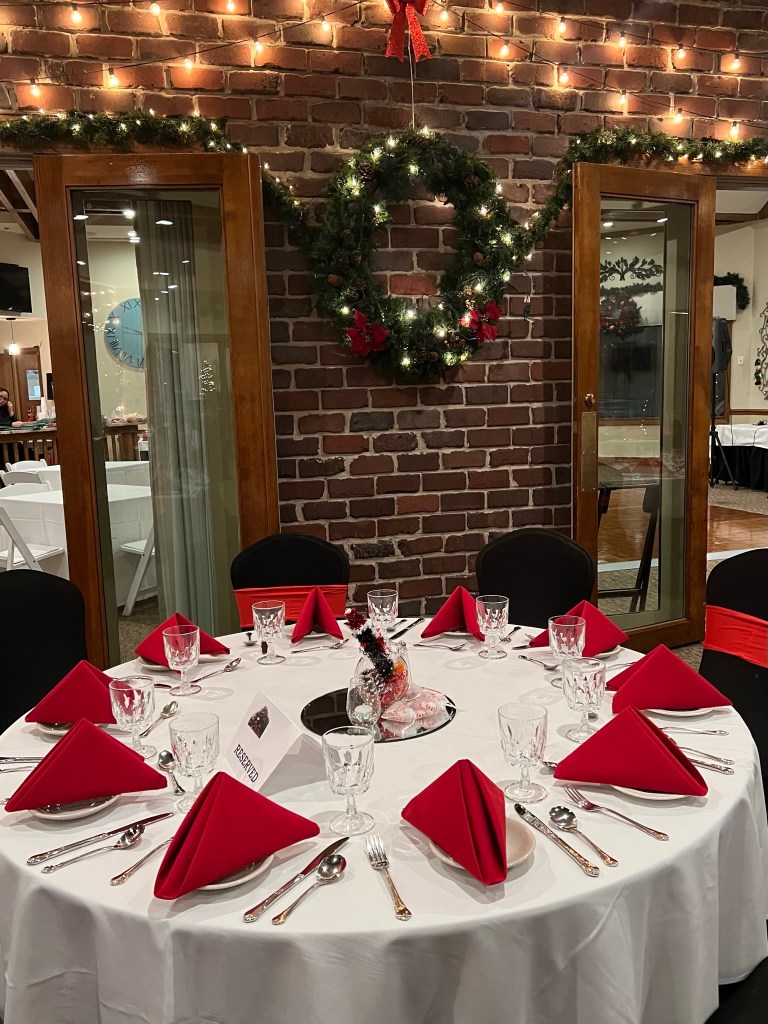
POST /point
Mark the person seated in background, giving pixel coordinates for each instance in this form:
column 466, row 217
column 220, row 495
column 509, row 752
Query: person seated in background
column 7, row 415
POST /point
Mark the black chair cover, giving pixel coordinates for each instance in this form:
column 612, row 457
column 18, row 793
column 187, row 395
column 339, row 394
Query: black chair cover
column 43, row 637
column 542, row 573
column 741, row 584
column 289, row 560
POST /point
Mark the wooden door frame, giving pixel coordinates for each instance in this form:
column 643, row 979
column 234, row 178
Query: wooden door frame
column 591, row 181
column 238, row 179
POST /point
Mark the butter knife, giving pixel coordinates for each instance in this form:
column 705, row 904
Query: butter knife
column 538, row 824
column 400, row 632
column 125, row 875
column 38, row 858
column 255, row 912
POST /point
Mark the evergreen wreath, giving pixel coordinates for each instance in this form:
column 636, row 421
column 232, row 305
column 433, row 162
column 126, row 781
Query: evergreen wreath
column 619, row 313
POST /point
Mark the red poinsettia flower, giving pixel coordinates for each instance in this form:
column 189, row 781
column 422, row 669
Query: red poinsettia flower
column 366, row 338
column 480, row 322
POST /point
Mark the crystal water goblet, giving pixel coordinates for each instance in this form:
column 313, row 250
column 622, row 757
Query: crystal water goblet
column 348, row 754
column 523, row 732
column 268, row 622
column 133, row 704
column 382, row 608
column 567, row 636
column 584, row 688
column 182, row 652
column 195, row 746
column 492, row 617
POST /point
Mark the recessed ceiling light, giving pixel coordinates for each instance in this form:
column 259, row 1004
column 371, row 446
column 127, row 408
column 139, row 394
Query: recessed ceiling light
column 81, row 263
column 164, row 223
column 607, row 223
column 662, row 220
column 129, row 214
column 81, row 216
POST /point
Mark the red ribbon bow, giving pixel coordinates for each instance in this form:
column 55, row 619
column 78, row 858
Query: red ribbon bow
column 402, row 11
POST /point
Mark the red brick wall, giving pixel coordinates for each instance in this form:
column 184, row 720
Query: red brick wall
column 412, row 480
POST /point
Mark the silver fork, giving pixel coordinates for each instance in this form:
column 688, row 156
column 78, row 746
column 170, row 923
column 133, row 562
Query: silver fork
column 586, row 805
column 379, row 861
column 508, row 638
column 445, row 647
column 320, row 647
column 543, row 664
column 703, row 753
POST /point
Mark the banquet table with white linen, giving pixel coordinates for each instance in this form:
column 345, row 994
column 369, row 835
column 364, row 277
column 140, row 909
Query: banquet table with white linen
column 644, row 943
column 40, row 520
column 745, row 448
column 129, row 471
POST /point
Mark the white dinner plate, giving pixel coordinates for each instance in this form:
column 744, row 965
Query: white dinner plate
column 646, row 794
column 69, row 812
column 54, row 728
column 205, row 659
column 692, row 713
column 607, row 655
column 244, row 874
column 520, row 844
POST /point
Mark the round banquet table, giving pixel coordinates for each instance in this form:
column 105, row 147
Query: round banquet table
column 645, row 943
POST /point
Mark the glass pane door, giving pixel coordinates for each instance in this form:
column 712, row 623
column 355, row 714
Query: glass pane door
column 154, row 322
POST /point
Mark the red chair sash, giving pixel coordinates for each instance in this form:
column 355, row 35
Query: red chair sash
column 294, row 597
column 743, row 636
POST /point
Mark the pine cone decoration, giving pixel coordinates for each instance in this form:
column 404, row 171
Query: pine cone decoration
column 432, row 356
column 472, row 181
column 356, row 259
column 346, row 233
column 478, row 259
column 336, row 280
column 366, row 174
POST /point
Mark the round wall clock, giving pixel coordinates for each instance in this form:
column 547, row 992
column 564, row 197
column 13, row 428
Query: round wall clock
column 123, row 334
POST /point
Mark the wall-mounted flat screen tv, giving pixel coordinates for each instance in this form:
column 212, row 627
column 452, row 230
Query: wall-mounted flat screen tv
column 15, row 296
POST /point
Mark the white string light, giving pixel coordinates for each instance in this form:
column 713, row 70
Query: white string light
column 561, row 26
column 563, row 77
column 76, row 15
column 734, row 130
column 112, row 80
column 154, row 8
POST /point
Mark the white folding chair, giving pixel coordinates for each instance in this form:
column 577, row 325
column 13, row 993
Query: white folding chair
column 28, row 554
column 17, row 477
column 23, row 464
column 25, row 486
column 145, row 549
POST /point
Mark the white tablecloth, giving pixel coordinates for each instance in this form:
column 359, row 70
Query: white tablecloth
column 40, row 520
column 645, row 942
column 134, row 473
column 743, row 434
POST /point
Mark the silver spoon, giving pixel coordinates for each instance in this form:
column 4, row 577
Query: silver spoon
column 229, row 667
column 168, row 712
column 564, row 819
column 541, row 664
column 129, row 872
column 166, row 763
column 330, row 870
column 126, row 840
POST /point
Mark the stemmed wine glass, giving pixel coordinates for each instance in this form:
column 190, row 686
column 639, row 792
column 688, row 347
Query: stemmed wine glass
column 584, row 688
column 182, row 652
column 363, row 701
column 492, row 617
column 133, row 704
column 195, row 746
column 382, row 608
column 268, row 622
column 567, row 636
column 523, row 730
column 348, row 754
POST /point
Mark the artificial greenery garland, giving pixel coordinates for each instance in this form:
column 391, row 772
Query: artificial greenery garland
column 738, row 282
column 389, row 331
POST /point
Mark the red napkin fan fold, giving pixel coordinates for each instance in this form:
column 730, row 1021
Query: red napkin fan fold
column 459, row 613
column 151, row 647
column 631, row 751
column 228, row 827
column 315, row 613
column 87, row 763
column 662, row 680
column 463, row 812
column 82, row 693
column 601, row 633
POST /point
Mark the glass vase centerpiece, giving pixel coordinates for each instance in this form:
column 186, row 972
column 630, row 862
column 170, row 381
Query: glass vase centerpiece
column 382, row 667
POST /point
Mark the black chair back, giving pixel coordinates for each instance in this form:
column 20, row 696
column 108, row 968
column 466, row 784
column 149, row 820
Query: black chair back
column 740, row 583
column 44, row 637
column 542, row 573
column 289, row 560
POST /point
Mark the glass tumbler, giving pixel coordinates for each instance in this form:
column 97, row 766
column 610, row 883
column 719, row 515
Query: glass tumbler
column 584, row 688
column 182, row 652
column 348, row 754
column 567, row 635
column 133, row 704
column 523, row 732
column 492, row 617
column 268, row 622
column 195, row 746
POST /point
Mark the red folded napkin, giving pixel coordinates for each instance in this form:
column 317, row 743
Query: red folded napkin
column 82, row 693
column 315, row 614
column 459, row 613
column 631, row 751
column 227, row 827
column 601, row 634
column 151, row 647
column 85, row 764
column 463, row 812
column 662, row 680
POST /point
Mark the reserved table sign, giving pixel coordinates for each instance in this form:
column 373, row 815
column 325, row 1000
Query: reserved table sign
column 260, row 742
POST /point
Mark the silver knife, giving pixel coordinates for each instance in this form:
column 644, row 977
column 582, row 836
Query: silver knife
column 538, row 824
column 38, row 858
column 255, row 912
column 13, row 760
column 405, row 630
